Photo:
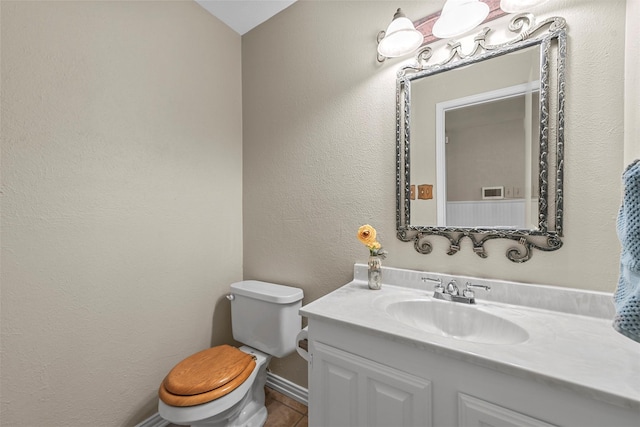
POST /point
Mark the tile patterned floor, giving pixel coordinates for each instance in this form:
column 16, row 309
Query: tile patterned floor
column 282, row 411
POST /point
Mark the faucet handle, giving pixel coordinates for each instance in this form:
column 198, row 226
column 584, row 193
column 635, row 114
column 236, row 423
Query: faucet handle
column 438, row 287
column 468, row 292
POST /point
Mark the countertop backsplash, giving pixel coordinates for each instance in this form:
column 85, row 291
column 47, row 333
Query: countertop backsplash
column 566, row 300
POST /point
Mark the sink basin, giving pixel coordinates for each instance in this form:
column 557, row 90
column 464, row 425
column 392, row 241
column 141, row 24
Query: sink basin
column 463, row 322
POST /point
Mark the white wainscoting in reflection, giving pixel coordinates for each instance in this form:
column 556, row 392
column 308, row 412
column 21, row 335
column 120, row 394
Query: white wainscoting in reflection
column 509, row 213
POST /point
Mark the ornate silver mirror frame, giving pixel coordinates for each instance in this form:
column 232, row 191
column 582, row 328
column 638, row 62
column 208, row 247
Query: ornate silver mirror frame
column 550, row 36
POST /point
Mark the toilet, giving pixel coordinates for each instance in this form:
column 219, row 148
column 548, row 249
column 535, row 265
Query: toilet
column 224, row 385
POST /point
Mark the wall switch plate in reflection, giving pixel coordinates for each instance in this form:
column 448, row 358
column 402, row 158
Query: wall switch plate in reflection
column 412, row 194
column 425, row 191
column 517, row 192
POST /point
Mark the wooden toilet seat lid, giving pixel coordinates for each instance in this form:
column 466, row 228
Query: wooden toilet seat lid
column 206, row 375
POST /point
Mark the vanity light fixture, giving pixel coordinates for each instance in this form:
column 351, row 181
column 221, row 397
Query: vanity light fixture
column 515, row 6
column 401, row 38
column 459, row 17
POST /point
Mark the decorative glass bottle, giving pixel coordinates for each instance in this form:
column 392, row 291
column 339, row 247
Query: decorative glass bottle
column 375, row 272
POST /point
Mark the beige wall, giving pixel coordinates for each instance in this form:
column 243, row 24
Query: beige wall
column 121, row 203
column 319, row 151
column 632, row 83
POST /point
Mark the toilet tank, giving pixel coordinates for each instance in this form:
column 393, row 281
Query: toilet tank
column 265, row 316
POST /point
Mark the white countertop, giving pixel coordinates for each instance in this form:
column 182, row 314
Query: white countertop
column 575, row 348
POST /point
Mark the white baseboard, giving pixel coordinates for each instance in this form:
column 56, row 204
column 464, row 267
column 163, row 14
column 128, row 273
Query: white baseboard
column 289, row 389
column 154, row 420
column 275, row 382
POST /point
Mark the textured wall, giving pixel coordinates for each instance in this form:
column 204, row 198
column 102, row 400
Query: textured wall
column 319, row 151
column 121, row 203
column 632, row 84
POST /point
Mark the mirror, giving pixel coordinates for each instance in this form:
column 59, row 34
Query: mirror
column 480, row 142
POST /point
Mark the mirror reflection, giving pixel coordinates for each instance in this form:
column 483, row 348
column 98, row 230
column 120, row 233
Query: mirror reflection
column 491, row 192
column 475, row 133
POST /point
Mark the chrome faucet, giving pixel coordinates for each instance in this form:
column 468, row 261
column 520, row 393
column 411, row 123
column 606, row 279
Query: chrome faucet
column 452, row 293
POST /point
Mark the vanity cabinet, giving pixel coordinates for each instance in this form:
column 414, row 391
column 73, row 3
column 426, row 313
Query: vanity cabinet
column 360, row 377
column 350, row 390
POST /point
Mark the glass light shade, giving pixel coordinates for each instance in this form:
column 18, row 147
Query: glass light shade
column 401, row 37
column 459, row 17
column 514, row 6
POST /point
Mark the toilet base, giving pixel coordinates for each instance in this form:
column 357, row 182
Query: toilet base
column 251, row 419
column 248, row 412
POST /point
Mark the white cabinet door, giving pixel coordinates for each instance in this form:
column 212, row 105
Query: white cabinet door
column 473, row 412
column 347, row 390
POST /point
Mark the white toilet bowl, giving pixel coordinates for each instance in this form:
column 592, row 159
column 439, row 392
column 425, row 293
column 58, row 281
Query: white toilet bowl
column 207, row 388
column 244, row 406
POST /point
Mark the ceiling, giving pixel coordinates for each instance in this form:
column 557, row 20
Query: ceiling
column 243, row 15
